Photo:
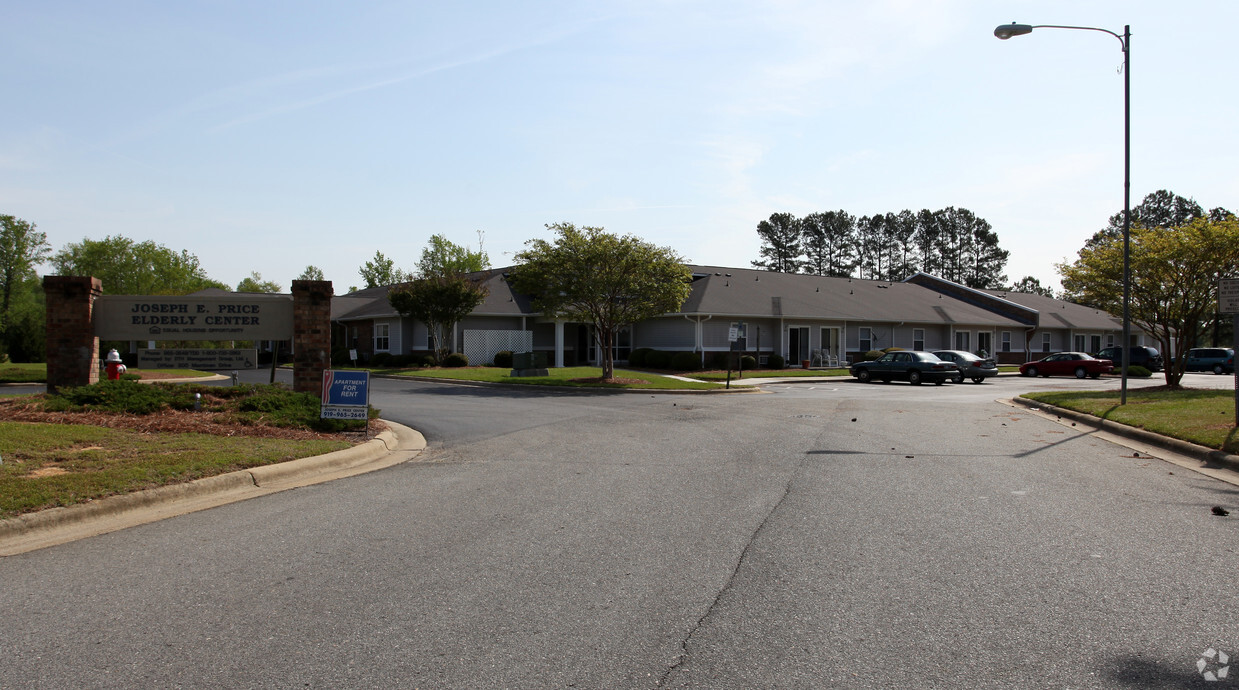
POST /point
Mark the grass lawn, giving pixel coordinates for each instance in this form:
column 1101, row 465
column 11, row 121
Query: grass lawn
column 1204, row 417
column 49, row 465
column 721, row 374
column 37, row 373
column 580, row 377
column 23, row 373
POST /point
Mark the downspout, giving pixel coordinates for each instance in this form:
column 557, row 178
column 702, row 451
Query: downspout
column 699, row 339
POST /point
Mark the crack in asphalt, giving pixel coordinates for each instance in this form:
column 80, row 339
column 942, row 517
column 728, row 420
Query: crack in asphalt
column 682, row 658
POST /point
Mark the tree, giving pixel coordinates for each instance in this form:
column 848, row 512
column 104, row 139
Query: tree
column 134, row 268
column 255, row 283
column 382, row 271
column 780, row 243
column 440, row 302
column 1031, row 285
column 590, row 275
column 22, row 247
column 829, row 241
column 311, row 272
column 1163, row 209
column 1175, row 272
column 442, row 257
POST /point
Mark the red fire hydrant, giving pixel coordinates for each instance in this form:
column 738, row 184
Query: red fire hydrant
column 114, row 366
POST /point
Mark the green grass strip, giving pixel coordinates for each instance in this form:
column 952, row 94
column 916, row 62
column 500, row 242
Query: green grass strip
column 578, row 377
column 49, row 465
column 1204, row 417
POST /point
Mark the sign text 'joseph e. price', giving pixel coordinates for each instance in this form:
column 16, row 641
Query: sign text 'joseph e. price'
column 346, row 394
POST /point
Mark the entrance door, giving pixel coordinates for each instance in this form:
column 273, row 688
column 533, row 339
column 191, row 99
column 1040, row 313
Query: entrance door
column 830, row 343
column 797, row 344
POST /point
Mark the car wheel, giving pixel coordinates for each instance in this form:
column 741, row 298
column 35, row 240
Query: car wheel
column 1032, row 372
column 975, row 379
column 1219, row 369
column 862, row 375
column 959, row 378
column 914, row 377
column 1081, row 372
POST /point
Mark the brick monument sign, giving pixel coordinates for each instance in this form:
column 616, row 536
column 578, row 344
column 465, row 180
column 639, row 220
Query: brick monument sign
column 79, row 314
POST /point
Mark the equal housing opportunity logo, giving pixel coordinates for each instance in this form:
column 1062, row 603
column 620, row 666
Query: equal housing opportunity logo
column 1213, row 665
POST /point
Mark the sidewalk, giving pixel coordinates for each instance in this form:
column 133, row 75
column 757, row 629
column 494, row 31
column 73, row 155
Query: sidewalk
column 60, row 525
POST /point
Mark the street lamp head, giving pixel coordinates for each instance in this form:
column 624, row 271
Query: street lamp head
column 1006, row 31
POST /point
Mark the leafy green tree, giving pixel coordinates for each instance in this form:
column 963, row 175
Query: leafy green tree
column 311, row 272
column 442, row 257
column 134, row 268
column 1163, row 209
column 255, row 283
column 1175, row 272
column 1032, row 286
column 829, row 241
column 780, row 243
column 22, row 247
column 381, row 271
column 592, row 276
column 440, row 302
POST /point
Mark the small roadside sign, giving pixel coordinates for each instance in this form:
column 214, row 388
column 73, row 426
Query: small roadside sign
column 346, row 395
column 1228, row 296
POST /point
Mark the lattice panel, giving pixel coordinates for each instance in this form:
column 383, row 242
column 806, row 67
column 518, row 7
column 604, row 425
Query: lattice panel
column 481, row 346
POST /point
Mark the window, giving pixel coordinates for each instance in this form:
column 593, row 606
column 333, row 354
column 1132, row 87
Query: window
column 866, row 339
column 1094, row 343
column 382, row 337
column 1006, row 341
column 1079, row 342
column 1045, row 342
column 1110, row 340
column 918, row 338
column 963, row 340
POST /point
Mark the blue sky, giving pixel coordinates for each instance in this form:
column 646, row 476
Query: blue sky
column 266, row 136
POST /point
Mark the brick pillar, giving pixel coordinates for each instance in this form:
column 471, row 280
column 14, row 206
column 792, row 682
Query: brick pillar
column 72, row 348
column 311, row 334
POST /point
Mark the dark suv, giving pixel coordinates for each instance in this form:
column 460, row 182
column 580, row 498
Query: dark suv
column 1147, row 357
column 1219, row 360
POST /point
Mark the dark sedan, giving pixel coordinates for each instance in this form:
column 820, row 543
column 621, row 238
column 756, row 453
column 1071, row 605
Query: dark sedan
column 1076, row 364
column 904, row 365
column 970, row 366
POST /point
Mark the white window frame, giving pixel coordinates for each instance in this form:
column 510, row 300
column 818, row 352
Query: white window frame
column 1045, row 341
column 918, row 338
column 382, row 334
column 1006, row 341
column 964, row 343
column 866, row 339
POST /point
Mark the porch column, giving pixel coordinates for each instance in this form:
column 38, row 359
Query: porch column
column 559, row 343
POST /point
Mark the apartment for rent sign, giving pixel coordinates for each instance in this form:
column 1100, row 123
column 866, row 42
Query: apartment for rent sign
column 346, row 395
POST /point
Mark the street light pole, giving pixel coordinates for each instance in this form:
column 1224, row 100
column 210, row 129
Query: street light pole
column 1006, row 31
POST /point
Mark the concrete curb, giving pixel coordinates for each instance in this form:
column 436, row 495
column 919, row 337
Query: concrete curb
column 1202, row 453
column 565, row 389
column 59, row 525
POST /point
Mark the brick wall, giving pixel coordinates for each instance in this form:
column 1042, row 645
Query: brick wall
column 72, row 348
column 311, row 333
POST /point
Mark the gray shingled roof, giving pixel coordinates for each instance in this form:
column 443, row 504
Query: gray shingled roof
column 1056, row 313
column 754, row 293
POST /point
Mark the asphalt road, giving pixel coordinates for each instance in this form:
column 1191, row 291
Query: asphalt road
column 837, row 535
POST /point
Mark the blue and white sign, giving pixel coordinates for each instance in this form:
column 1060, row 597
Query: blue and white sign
column 346, row 395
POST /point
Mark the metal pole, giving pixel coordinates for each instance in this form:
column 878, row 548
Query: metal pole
column 1126, row 208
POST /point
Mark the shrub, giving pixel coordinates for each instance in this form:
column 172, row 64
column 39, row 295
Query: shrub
column 872, row 355
column 427, row 360
column 637, row 358
column 891, row 349
column 776, row 362
column 748, row 362
column 686, row 361
column 456, row 359
column 111, row 396
column 657, row 359
column 503, row 359
column 717, row 360
column 1137, row 371
column 380, row 359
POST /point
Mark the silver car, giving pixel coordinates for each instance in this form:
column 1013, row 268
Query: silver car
column 970, row 366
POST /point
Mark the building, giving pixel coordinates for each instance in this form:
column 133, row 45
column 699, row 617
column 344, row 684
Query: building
column 799, row 317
